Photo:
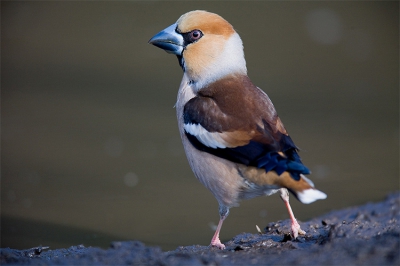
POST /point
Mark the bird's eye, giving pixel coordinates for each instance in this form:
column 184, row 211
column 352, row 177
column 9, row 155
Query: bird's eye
column 195, row 35
column 192, row 36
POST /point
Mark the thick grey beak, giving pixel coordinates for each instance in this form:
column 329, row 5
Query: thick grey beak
column 169, row 40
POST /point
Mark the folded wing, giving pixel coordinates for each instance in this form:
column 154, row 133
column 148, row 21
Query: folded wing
column 235, row 120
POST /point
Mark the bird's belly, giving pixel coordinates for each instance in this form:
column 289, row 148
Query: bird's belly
column 220, row 176
column 223, row 177
column 251, row 191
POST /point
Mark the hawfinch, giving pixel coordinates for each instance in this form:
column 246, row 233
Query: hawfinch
column 234, row 140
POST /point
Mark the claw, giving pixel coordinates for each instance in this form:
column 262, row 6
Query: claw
column 296, row 230
column 217, row 243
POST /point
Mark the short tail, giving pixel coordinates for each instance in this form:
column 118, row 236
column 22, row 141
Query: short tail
column 303, row 189
column 311, row 194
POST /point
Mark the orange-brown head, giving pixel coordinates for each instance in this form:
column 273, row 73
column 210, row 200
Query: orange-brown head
column 207, row 46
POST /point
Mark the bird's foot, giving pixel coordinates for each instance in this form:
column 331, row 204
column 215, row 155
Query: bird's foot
column 217, row 243
column 296, row 230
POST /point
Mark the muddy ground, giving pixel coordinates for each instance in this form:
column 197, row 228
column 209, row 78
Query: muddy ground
column 363, row 235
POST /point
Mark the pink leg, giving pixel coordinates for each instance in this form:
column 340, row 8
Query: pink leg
column 296, row 230
column 215, row 240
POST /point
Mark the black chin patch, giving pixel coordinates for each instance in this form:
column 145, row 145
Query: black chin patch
column 181, row 62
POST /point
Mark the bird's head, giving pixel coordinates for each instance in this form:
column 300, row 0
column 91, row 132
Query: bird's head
column 207, row 46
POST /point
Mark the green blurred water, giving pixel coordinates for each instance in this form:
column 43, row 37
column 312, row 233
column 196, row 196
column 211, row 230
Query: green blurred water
column 90, row 150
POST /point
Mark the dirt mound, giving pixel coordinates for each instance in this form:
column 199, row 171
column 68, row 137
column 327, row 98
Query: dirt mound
column 363, row 235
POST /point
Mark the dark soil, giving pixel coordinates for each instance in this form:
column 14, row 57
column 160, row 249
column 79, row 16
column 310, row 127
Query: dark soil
column 364, row 235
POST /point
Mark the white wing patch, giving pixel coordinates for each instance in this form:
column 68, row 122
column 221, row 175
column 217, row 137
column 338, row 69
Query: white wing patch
column 210, row 139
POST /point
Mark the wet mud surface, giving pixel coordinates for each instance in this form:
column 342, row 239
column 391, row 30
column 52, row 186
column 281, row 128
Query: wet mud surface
column 363, row 235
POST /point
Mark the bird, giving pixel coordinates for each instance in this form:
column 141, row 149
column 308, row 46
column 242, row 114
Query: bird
column 234, row 140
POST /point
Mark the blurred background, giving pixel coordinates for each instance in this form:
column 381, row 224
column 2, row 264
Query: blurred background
column 90, row 149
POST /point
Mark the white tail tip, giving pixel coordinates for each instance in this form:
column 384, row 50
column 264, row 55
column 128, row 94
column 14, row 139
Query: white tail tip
column 310, row 195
